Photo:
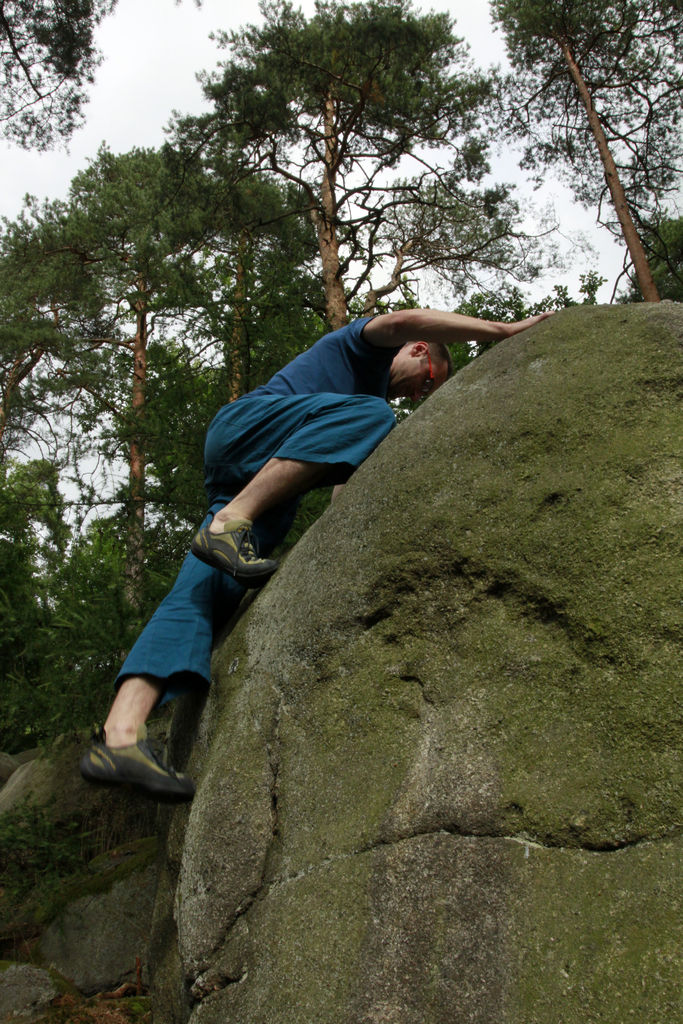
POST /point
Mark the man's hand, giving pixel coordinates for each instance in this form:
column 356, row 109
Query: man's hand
column 521, row 325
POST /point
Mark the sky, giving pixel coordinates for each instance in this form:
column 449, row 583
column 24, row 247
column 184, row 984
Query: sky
column 152, row 53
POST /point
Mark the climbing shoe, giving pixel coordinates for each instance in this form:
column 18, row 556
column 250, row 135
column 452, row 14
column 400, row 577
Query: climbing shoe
column 234, row 552
column 138, row 765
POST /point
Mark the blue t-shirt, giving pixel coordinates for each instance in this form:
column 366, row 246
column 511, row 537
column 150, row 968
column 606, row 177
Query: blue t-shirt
column 341, row 363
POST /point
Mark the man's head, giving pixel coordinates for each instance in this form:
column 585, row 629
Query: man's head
column 418, row 369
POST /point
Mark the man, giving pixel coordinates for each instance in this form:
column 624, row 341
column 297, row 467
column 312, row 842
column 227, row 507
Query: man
column 311, row 425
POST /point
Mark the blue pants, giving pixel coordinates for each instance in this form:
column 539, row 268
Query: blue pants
column 337, row 430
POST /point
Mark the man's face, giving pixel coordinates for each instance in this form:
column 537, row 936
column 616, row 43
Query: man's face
column 414, row 374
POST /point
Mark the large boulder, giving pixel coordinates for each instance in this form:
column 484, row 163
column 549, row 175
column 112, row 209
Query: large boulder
column 99, row 937
column 438, row 769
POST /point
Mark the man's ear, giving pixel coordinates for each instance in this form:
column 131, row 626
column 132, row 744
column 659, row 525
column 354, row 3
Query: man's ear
column 419, row 348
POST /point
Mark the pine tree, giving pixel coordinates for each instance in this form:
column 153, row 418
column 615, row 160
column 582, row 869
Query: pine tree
column 596, row 91
column 372, row 112
column 48, row 58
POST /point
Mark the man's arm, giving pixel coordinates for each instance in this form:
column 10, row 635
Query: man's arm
column 392, row 330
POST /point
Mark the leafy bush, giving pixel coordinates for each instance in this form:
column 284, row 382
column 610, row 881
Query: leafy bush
column 36, row 852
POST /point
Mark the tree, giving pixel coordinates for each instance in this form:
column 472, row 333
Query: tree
column 372, row 112
column 664, row 246
column 101, row 269
column 47, row 57
column 601, row 75
column 129, row 314
column 268, row 297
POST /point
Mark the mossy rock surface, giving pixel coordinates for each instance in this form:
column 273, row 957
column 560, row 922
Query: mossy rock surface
column 440, row 767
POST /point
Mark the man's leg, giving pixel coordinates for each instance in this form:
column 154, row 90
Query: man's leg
column 135, row 699
column 278, row 481
column 338, row 429
column 312, row 439
column 226, row 542
column 171, row 654
column 120, row 754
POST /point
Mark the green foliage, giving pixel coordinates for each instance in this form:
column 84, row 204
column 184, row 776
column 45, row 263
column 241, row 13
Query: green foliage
column 509, row 303
column 378, row 61
column 157, row 278
column 48, row 859
column 269, row 301
column 150, row 248
column 23, row 344
column 664, row 246
column 64, row 620
column 345, row 105
column 666, row 258
column 47, row 57
column 32, row 545
column 310, row 509
column 36, row 853
column 124, row 241
column 92, row 624
column 83, row 277
column 63, row 637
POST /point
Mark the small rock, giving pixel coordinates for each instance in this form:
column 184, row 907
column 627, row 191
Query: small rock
column 17, row 787
column 8, row 765
column 25, row 993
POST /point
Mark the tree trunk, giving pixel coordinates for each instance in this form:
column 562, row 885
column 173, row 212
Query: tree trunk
column 646, row 282
column 325, row 223
column 237, row 339
column 135, row 554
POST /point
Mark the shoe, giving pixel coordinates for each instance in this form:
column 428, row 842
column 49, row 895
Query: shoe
column 234, row 552
column 137, row 765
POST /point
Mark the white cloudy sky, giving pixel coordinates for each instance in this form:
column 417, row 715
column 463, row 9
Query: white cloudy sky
column 152, row 52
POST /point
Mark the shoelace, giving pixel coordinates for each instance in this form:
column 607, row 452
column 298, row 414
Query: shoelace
column 247, row 545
